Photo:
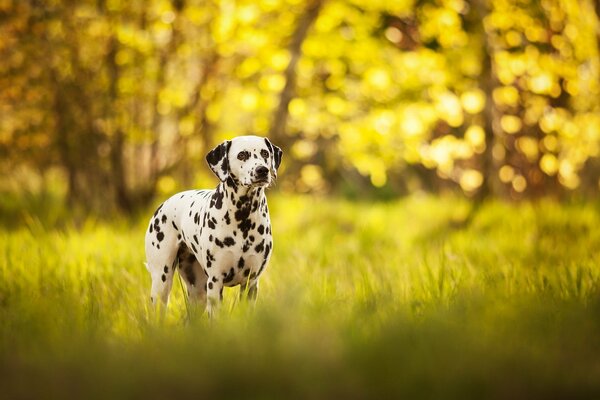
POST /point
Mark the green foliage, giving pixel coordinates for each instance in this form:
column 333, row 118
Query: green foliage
column 360, row 300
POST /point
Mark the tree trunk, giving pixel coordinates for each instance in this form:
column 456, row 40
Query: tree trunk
column 281, row 113
column 118, row 172
column 487, row 83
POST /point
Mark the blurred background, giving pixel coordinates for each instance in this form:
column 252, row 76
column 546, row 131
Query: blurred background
column 107, row 104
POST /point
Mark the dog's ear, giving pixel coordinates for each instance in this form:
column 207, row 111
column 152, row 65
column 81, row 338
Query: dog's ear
column 277, row 153
column 218, row 160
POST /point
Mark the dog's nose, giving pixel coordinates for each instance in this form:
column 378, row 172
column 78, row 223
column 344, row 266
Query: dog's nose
column 262, row 172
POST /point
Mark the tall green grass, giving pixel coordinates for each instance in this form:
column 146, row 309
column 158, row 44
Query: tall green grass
column 360, row 300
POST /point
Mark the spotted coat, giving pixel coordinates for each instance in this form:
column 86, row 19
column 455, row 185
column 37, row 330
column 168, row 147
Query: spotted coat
column 217, row 238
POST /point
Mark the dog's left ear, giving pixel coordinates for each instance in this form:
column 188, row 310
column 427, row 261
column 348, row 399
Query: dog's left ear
column 218, row 160
column 277, row 153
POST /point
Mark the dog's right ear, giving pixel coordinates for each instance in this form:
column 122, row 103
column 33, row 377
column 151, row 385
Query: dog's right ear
column 218, row 160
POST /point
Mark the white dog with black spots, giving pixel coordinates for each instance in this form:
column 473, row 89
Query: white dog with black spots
column 219, row 237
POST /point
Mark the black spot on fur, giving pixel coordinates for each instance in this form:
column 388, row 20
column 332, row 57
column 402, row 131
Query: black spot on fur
column 247, row 272
column 164, row 218
column 225, row 166
column 228, row 241
column 218, row 242
column 211, row 224
column 262, row 266
column 219, row 154
column 261, row 229
column 163, row 277
column 174, row 226
column 277, row 153
column 210, row 285
column 196, row 239
column 166, row 269
column 229, row 277
column 245, row 227
column 150, row 229
column 209, row 259
column 157, row 210
column 216, row 200
column 260, row 247
column 227, row 219
column 160, row 236
column 241, row 263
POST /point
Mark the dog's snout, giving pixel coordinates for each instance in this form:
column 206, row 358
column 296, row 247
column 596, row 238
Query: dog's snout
column 262, row 171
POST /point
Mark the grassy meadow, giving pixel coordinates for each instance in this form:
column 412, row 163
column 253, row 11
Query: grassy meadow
column 361, row 300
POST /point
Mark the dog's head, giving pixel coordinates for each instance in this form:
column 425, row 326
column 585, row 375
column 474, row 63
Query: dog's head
column 248, row 160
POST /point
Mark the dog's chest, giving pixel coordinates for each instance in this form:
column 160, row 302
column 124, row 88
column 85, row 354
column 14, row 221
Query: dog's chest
column 241, row 249
column 232, row 243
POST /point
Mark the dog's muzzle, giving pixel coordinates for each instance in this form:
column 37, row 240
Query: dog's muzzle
column 261, row 174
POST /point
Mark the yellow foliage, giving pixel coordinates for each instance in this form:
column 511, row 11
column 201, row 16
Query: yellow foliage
column 519, row 183
column 303, row 149
column 506, row 173
column 475, row 136
column 506, row 95
column 510, row 123
column 528, row 146
column 470, row 180
column 549, row 164
column 297, row 107
column 449, row 108
column 312, row 177
column 473, row 101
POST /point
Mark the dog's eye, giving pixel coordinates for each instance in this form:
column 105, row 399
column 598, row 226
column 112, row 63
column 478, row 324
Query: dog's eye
column 264, row 153
column 243, row 155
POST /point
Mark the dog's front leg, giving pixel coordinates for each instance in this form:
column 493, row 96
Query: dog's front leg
column 214, row 295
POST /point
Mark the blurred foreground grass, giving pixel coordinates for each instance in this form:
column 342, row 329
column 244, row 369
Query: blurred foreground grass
column 360, row 300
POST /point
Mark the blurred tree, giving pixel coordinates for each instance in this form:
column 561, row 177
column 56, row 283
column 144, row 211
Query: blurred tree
column 494, row 97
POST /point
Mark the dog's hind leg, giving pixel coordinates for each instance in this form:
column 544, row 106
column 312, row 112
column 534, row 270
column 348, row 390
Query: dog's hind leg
column 162, row 281
column 194, row 277
column 161, row 256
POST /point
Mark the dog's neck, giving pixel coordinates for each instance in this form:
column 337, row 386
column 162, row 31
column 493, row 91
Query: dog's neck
column 239, row 196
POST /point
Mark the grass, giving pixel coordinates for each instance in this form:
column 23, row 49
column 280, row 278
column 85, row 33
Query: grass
column 361, row 300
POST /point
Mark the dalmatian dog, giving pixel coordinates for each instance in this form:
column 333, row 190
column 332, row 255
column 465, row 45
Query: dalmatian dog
column 217, row 238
